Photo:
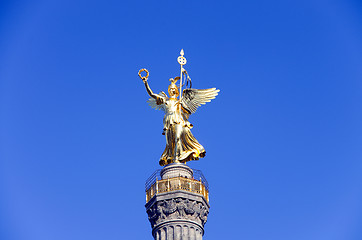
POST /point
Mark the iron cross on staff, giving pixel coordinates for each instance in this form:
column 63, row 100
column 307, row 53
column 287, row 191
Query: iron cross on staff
column 182, row 61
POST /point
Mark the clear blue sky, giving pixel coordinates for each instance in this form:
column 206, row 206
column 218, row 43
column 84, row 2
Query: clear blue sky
column 283, row 138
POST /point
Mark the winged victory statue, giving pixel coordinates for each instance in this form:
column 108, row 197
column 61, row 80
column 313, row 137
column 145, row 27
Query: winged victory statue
column 181, row 145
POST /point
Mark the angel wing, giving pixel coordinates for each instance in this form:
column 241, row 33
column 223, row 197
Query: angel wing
column 194, row 98
column 160, row 98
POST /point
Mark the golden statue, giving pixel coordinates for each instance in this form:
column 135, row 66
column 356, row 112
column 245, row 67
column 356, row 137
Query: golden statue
column 181, row 145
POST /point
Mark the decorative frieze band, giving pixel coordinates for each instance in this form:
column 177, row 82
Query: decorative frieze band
column 178, row 208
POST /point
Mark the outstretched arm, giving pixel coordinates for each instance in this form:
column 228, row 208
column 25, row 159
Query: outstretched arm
column 149, row 90
column 158, row 99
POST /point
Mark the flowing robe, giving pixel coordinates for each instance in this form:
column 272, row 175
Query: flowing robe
column 181, row 145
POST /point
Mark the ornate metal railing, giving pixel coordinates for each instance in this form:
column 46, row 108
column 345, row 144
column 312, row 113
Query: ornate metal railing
column 177, row 183
column 197, row 184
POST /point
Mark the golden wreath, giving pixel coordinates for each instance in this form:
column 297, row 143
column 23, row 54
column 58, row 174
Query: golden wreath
column 143, row 70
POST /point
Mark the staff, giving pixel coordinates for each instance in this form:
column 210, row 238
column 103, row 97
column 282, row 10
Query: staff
column 182, row 61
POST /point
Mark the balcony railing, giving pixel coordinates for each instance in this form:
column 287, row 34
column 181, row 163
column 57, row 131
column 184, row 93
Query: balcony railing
column 177, row 183
column 197, row 175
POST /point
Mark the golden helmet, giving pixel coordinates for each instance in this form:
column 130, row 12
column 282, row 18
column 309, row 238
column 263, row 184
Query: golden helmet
column 173, row 85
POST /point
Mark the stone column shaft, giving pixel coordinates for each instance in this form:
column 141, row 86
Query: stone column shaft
column 178, row 232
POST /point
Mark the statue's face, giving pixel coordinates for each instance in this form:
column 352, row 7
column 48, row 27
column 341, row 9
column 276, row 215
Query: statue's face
column 172, row 92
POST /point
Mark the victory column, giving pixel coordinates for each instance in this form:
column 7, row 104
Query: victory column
column 177, row 196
